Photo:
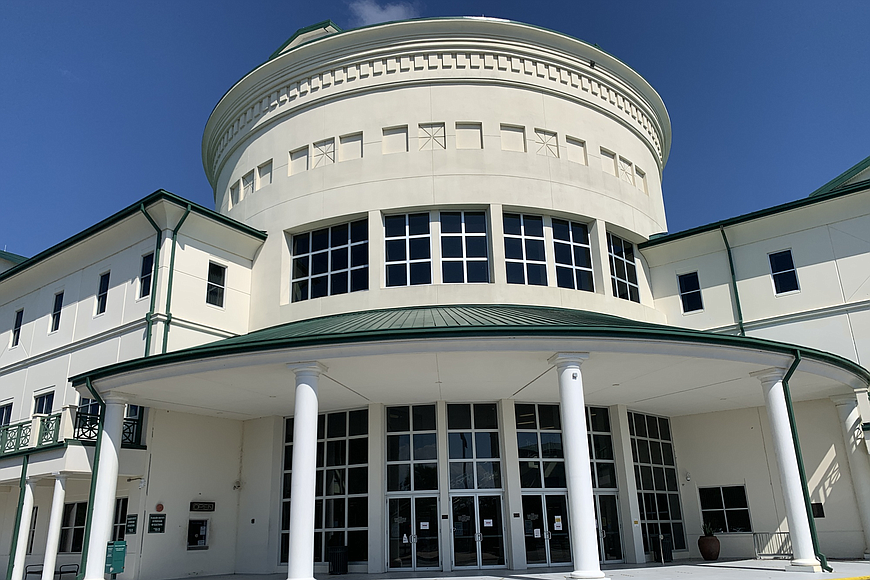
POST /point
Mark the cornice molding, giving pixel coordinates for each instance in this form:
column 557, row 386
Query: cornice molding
column 289, row 84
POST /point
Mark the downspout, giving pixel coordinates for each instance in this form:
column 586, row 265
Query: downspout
column 149, row 317
column 171, row 272
column 800, row 459
column 21, row 485
column 733, row 282
column 91, row 496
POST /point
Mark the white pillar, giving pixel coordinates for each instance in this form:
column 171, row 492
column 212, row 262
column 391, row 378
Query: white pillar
column 859, row 462
column 54, row 522
column 23, row 531
column 304, row 468
column 789, row 474
column 581, row 504
column 107, row 485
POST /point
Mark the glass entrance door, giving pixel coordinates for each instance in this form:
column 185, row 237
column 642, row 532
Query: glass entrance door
column 607, row 522
column 413, row 533
column 478, row 531
column 545, row 522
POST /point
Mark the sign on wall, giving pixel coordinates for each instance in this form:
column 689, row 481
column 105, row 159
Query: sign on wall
column 132, row 523
column 202, row 506
column 156, row 523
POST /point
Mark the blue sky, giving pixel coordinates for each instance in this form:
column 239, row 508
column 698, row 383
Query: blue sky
column 104, row 102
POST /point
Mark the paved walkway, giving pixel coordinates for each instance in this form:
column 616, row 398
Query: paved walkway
column 680, row 570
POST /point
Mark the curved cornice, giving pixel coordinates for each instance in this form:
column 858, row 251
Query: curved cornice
column 473, row 50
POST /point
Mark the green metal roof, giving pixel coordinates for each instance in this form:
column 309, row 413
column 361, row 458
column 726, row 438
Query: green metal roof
column 842, row 178
column 304, row 30
column 10, row 257
column 160, row 194
column 814, row 198
column 458, row 321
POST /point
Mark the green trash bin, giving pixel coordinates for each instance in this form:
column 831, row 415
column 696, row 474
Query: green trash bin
column 337, row 557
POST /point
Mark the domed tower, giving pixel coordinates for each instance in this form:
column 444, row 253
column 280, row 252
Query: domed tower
column 441, row 161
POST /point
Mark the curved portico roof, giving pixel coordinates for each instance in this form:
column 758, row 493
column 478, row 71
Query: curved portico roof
column 462, row 321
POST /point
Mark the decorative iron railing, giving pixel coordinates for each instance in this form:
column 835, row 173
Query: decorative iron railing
column 772, row 545
column 49, row 429
column 14, row 437
column 86, row 425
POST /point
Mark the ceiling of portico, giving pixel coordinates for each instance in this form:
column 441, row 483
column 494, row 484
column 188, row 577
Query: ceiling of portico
column 646, row 376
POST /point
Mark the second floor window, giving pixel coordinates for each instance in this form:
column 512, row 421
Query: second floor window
column 16, row 327
column 42, row 404
column 783, row 271
column 89, row 406
column 464, row 247
column 217, row 280
column 330, row 261
column 55, row 311
column 103, row 293
column 5, row 414
column 623, row 272
column 573, row 254
column 146, row 271
column 408, row 249
column 690, row 292
column 525, row 258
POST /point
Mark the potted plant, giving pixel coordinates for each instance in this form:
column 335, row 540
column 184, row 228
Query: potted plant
column 708, row 544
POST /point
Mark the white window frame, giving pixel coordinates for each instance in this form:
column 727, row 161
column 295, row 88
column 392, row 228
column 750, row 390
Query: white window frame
column 18, row 322
column 6, row 412
column 41, row 397
column 102, row 297
column 56, row 310
column 574, row 245
column 247, row 184
column 773, row 274
column 329, row 273
column 680, row 293
column 209, row 284
column 145, row 279
column 235, row 193
column 628, row 267
column 258, row 182
column 465, row 260
column 68, row 527
column 408, row 237
column 525, row 237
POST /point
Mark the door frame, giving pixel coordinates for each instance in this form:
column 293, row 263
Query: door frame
column 476, row 494
column 437, row 525
column 615, row 495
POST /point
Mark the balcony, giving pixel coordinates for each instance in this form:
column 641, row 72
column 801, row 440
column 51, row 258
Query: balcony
column 47, row 430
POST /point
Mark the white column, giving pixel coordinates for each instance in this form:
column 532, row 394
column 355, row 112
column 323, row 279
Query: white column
column 859, row 462
column 786, row 461
column 304, row 468
column 54, row 522
column 23, row 531
column 107, row 484
column 581, row 504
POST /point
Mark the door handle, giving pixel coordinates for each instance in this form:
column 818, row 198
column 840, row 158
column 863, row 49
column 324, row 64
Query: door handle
column 548, row 536
column 413, row 538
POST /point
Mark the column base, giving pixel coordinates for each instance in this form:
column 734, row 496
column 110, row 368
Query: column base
column 804, row 566
column 581, row 574
column 867, row 555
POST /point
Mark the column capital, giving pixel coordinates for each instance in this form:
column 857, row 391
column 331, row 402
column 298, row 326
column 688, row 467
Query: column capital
column 58, row 475
column 114, row 399
column 307, row 368
column 840, row 400
column 768, row 376
column 564, row 359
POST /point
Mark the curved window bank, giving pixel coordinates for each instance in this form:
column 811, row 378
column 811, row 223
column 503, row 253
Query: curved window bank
column 431, row 327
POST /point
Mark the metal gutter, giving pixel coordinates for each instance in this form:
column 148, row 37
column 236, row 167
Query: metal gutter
column 171, row 273
column 800, row 459
column 733, row 282
column 149, row 322
column 93, row 491
column 21, row 485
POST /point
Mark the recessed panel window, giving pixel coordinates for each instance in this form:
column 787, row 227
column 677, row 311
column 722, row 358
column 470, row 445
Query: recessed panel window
column 473, row 446
column 690, row 292
column 341, row 482
column 42, row 404
column 655, row 473
column 56, row 309
column 216, row 286
column 247, row 184
column 573, row 255
column 408, row 250
column 464, row 247
column 525, row 258
column 234, row 195
column 623, row 272
column 783, row 271
column 331, row 261
column 16, row 327
column 264, row 174
column 725, row 508
column 146, row 271
column 103, row 293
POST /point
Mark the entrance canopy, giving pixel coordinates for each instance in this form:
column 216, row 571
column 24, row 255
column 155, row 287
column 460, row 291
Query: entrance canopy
column 471, row 353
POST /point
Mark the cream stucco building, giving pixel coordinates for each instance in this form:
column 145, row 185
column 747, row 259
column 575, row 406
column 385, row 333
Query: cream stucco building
column 434, row 324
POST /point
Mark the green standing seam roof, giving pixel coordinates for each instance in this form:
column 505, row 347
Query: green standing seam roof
column 10, row 257
column 459, row 321
column 160, row 194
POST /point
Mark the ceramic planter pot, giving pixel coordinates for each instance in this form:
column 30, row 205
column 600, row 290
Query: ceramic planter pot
column 709, row 547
